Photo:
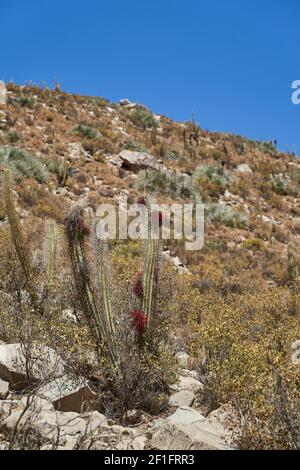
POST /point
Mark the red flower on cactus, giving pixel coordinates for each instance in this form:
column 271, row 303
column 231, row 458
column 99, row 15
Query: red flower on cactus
column 138, row 288
column 141, row 200
column 157, row 217
column 75, row 223
column 139, row 321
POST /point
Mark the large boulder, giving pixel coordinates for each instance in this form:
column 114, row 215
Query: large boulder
column 39, row 415
column 187, row 429
column 136, row 161
column 69, row 394
column 16, row 358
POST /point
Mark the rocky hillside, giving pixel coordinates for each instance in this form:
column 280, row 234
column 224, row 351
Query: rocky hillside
column 229, row 313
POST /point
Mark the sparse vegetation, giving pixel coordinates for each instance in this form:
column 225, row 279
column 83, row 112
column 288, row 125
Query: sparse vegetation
column 86, row 131
column 22, row 164
column 142, row 118
column 114, row 313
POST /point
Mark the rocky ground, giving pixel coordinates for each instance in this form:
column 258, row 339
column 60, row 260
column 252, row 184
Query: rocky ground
column 62, row 412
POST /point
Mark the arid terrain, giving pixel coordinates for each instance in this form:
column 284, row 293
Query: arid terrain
column 140, row 345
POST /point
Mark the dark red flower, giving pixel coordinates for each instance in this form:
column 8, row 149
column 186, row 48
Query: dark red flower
column 139, row 321
column 157, row 217
column 138, row 288
column 141, row 200
column 75, row 223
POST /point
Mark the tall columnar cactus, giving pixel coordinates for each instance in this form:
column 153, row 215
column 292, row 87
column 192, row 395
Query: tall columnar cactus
column 60, row 168
column 292, row 268
column 76, row 232
column 18, row 241
column 101, row 269
column 150, row 281
column 51, row 252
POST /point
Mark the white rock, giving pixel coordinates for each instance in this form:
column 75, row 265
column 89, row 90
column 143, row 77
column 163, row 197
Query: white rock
column 188, row 383
column 2, row 92
column 136, row 161
column 244, row 168
column 69, row 394
column 3, row 389
column 183, row 359
column 186, row 429
column 138, row 443
column 182, row 398
column 37, row 403
column 44, row 364
column 77, row 152
column 296, row 353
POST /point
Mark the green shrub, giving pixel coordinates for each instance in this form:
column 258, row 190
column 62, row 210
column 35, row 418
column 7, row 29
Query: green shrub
column 22, row 164
column 86, row 131
column 226, row 215
column 215, row 174
column 175, row 186
column 135, row 146
column 143, row 118
column 13, row 136
column 26, row 101
column 283, row 187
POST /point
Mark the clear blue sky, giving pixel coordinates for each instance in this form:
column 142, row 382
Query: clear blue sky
column 232, row 62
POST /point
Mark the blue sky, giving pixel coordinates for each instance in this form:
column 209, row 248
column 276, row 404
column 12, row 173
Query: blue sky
column 231, row 62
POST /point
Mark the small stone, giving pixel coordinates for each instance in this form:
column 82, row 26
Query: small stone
column 182, row 398
column 4, row 386
column 296, row 353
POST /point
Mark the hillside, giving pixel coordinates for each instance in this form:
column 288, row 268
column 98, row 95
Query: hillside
column 229, row 313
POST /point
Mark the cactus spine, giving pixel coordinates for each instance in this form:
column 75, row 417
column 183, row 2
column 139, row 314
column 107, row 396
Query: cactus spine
column 19, row 241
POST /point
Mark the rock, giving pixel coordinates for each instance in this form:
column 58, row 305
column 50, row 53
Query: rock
column 111, row 438
column 132, row 417
column 69, row 316
column 185, row 361
column 40, row 415
column 4, row 386
column 223, row 420
column 138, row 443
column 128, row 104
column 244, row 168
column 2, row 92
column 182, row 398
column 136, row 161
column 296, row 353
column 37, row 403
column 124, row 102
column 44, row 364
column 188, row 383
column 177, row 261
column 69, row 394
column 77, row 152
column 186, row 429
column 73, row 423
column 106, row 191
